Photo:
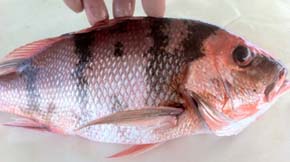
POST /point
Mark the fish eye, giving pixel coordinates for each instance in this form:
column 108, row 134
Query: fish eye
column 242, row 56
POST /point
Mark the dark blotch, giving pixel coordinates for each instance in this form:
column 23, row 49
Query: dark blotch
column 32, row 92
column 121, row 27
column 83, row 44
column 193, row 44
column 118, row 49
column 160, row 41
column 117, row 104
column 159, row 71
column 156, row 54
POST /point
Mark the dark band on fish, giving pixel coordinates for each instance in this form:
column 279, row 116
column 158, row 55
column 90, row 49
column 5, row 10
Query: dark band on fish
column 193, row 43
column 157, row 75
column 29, row 74
column 83, row 43
column 118, row 49
column 157, row 51
column 156, row 72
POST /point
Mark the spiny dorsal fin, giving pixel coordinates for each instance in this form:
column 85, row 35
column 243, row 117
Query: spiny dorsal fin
column 10, row 62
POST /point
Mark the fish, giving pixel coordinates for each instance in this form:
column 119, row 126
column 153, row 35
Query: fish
column 140, row 81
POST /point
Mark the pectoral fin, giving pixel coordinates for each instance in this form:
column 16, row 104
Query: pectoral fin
column 135, row 149
column 135, row 117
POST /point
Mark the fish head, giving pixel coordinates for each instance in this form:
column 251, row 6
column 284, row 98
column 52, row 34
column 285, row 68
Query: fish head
column 248, row 79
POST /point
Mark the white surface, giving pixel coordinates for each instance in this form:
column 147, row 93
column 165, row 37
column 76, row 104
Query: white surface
column 264, row 22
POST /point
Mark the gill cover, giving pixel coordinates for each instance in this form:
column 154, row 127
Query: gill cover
column 245, row 73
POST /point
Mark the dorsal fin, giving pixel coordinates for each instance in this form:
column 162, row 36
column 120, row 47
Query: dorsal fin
column 30, row 49
column 107, row 23
column 10, row 63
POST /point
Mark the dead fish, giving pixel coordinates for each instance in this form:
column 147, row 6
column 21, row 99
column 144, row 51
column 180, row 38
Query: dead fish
column 140, row 81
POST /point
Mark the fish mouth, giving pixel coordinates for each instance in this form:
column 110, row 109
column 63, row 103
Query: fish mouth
column 278, row 87
column 284, row 88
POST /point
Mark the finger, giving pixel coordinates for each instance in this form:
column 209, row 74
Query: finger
column 96, row 10
column 123, row 8
column 75, row 5
column 155, row 8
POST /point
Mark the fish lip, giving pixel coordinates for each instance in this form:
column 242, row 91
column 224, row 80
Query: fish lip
column 283, row 88
column 278, row 87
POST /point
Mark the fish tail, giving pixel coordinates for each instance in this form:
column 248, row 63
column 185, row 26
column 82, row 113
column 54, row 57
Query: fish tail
column 15, row 63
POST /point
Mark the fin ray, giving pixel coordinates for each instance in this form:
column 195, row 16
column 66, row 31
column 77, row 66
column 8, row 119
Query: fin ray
column 143, row 114
column 28, row 124
column 135, row 149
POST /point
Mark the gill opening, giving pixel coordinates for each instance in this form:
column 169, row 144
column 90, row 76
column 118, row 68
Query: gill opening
column 227, row 89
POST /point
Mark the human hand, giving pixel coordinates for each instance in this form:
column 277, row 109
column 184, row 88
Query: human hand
column 96, row 9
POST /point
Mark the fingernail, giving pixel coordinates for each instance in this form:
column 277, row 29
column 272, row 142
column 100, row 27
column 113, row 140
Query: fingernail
column 155, row 8
column 75, row 5
column 122, row 8
column 95, row 10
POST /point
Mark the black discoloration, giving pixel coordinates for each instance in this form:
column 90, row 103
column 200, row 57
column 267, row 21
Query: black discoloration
column 118, row 105
column 160, row 38
column 157, row 54
column 83, row 43
column 66, row 34
column 159, row 71
column 192, row 44
column 160, row 41
column 121, row 27
column 49, row 113
column 118, row 49
column 29, row 74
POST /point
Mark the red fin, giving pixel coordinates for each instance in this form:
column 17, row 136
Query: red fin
column 10, row 63
column 106, row 23
column 26, row 123
column 31, row 49
column 135, row 149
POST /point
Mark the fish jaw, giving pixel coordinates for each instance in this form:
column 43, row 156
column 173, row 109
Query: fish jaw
column 279, row 87
column 285, row 87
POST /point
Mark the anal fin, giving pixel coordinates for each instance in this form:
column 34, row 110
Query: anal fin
column 28, row 124
column 135, row 149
